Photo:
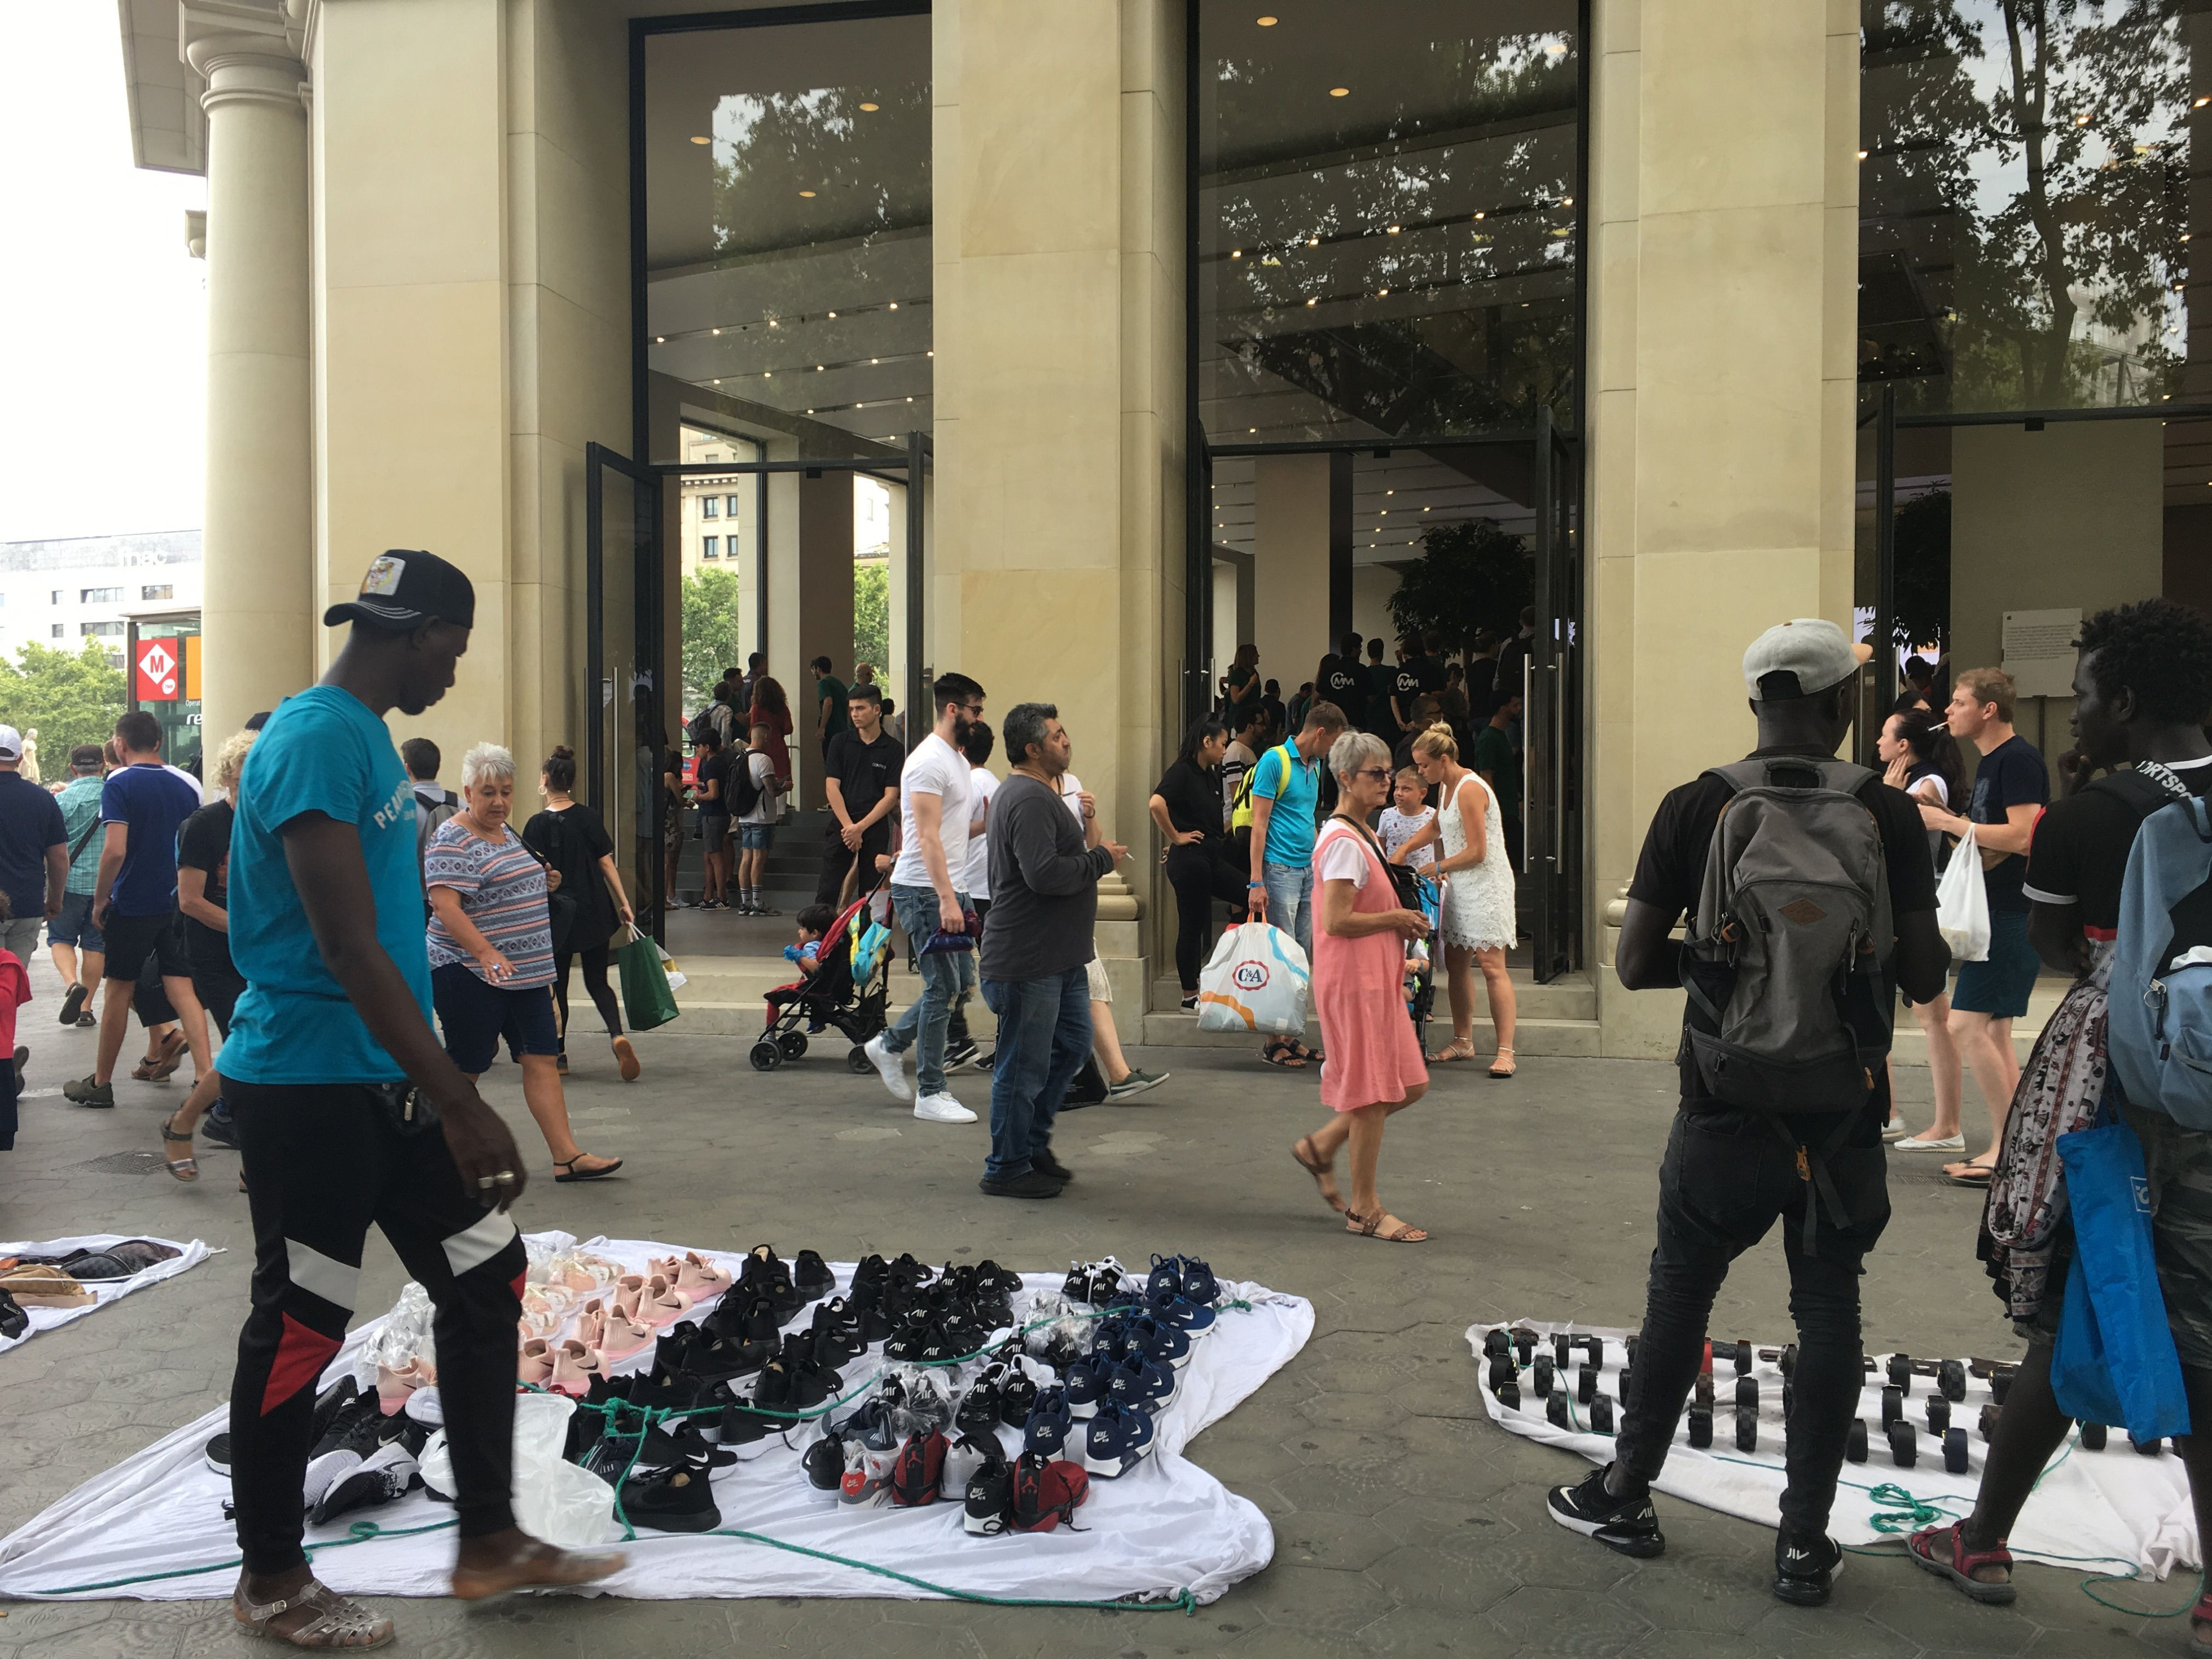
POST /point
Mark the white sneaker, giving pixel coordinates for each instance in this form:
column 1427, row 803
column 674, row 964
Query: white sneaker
column 1895, row 1129
column 941, row 1108
column 889, row 1067
column 1930, row 1143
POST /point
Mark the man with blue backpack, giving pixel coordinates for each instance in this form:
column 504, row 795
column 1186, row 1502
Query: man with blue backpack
column 2115, row 882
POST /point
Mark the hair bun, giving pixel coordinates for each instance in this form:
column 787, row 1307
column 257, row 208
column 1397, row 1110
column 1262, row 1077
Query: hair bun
column 561, row 751
column 1444, row 726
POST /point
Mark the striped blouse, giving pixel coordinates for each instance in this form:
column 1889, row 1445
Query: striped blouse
column 502, row 890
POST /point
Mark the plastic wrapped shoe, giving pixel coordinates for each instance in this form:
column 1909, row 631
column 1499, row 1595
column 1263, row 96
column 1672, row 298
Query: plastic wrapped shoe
column 575, row 1365
column 534, row 1365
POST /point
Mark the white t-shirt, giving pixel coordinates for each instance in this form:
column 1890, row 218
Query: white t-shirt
column 1395, row 829
column 1344, row 858
column 1071, row 791
column 935, row 768
column 985, row 784
column 770, row 807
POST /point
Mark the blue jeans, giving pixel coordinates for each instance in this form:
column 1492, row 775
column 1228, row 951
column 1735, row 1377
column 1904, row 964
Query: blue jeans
column 1289, row 902
column 1044, row 1036
column 947, row 977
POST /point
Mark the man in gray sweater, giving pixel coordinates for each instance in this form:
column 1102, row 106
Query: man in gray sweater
column 1044, row 873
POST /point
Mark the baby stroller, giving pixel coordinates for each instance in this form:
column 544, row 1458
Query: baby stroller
column 1422, row 999
column 850, row 992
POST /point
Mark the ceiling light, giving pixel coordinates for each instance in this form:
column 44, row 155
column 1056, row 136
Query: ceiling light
column 1313, row 302
column 1339, row 92
column 1386, row 512
column 806, row 193
column 717, row 383
column 1555, row 49
column 1251, row 429
column 929, row 354
column 1236, row 252
column 701, row 138
column 1313, row 241
column 2081, row 121
column 871, row 109
column 1566, row 201
column 833, row 316
column 1382, row 293
column 713, row 330
column 1394, row 229
column 895, row 305
column 1267, row 23
column 817, row 368
column 1862, row 155
column 767, row 375
column 771, row 322
column 661, row 339
column 875, row 360
column 809, row 411
column 1428, row 509
column 1477, row 216
column 909, row 400
column 2201, row 102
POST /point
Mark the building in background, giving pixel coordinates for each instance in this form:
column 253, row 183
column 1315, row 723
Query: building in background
column 60, row 593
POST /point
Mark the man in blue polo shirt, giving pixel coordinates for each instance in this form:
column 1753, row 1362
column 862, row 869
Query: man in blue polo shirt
column 1285, row 797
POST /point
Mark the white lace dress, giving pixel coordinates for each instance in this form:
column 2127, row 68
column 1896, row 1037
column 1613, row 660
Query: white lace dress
column 1477, row 912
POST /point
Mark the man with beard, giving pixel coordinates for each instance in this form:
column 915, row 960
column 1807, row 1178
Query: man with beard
column 936, row 800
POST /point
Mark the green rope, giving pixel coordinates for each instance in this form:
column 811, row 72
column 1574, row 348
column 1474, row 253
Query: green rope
column 1182, row 1600
column 360, row 1532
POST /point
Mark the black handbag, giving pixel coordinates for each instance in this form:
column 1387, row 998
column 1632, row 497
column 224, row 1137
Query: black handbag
column 1405, row 881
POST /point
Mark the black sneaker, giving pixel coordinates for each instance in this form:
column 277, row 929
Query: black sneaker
column 1629, row 1525
column 959, row 1056
column 14, row 1321
column 73, row 1004
column 811, row 1275
column 1045, row 1164
column 1030, row 1183
column 1805, row 1568
column 672, row 1500
column 219, row 1128
column 217, row 1454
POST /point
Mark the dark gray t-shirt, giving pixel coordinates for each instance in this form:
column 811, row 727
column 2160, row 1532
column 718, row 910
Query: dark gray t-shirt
column 1044, row 884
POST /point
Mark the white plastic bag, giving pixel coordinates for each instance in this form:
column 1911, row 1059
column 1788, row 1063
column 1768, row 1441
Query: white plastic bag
column 1255, row 983
column 1962, row 903
column 555, row 1501
column 677, row 980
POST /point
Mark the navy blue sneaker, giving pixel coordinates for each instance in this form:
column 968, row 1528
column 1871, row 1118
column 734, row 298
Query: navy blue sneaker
column 1116, row 1441
column 1138, row 1382
column 1192, row 1319
column 1088, row 1382
column 1045, row 1434
column 1198, row 1284
column 1161, row 1340
column 1166, row 1278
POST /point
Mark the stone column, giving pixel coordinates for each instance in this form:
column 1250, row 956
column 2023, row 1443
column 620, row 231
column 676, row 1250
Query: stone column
column 256, row 616
column 1291, row 565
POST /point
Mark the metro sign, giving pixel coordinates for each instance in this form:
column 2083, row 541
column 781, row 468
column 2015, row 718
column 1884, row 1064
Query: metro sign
column 157, row 672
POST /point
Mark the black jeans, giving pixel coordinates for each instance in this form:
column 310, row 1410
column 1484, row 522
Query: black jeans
column 595, row 982
column 323, row 1162
column 1201, row 874
column 837, row 857
column 1726, row 1180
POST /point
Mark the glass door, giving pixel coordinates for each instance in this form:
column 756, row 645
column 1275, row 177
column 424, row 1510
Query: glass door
column 625, row 735
column 1554, row 710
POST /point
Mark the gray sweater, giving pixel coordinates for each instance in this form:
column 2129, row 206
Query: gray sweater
column 1043, row 885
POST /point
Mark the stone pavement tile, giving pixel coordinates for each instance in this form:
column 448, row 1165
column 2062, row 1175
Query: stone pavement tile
column 1463, row 1527
column 124, row 1637
column 1949, row 1620
column 1540, row 1619
column 1838, row 1631
column 1313, row 1600
column 1418, row 1575
column 1347, row 1542
column 32, row 1621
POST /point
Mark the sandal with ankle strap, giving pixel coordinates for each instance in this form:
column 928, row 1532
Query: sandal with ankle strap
column 1505, row 1056
column 570, row 1172
column 1942, row 1551
column 187, row 1167
column 1370, row 1226
column 340, row 1621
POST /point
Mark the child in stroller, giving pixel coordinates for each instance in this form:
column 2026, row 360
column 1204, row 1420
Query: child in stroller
column 844, row 961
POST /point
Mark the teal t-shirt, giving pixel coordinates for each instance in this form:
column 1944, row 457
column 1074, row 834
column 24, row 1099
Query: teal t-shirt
column 322, row 751
column 1294, row 785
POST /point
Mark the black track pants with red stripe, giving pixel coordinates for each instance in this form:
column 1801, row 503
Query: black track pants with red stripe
column 323, row 1163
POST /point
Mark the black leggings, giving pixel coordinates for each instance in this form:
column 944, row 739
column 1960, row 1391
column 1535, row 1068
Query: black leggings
column 1201, row 874
column 323, row 1163
column 595, row 982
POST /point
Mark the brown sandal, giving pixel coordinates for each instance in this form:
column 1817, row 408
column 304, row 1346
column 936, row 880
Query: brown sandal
column 158, row 1068
column 185, row 1167
column 1324, row 1174
column 1370, row 1226
column 340, row 1622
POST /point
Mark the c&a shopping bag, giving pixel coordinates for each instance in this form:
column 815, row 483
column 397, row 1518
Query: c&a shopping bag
column 2115, row 1360
column 647, row 1000
column 1256, row 982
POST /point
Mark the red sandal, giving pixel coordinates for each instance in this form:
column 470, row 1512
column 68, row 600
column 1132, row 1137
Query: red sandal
column 1942, row 1551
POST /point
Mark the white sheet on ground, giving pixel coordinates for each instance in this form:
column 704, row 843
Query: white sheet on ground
column 191, row 1254
column 1164, row 1528
column 2103, row 1511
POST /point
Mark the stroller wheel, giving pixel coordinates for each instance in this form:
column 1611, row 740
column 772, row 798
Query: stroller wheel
column 794, row 1044
column 766, row 1056
column 857, row 1060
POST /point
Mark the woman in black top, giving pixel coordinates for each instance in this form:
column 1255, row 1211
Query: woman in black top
column 587, row 906
column 1187, row 805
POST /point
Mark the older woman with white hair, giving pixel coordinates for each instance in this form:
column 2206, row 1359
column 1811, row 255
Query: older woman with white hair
column 1375, row 1066
column 491, row 951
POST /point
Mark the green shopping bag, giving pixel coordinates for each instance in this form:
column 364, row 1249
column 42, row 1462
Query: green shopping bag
column 647, row 1000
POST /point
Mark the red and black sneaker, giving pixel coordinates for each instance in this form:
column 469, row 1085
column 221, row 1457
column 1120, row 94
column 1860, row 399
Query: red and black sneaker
column 919, row 1476
column 989, row 1495
column 1047, row 1492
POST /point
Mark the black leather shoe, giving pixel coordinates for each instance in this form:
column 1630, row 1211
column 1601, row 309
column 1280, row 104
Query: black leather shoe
column 1030, row 1183
column 1045, row 1164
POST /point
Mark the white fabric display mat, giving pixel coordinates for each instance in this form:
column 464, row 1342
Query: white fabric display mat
column 1164, row 1529
column 190, row 1256
column 2095, row 1511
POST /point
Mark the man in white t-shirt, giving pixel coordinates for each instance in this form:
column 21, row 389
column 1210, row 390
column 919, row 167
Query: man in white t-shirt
column 929, row 897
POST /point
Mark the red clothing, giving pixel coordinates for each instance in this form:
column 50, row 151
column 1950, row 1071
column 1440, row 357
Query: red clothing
column 779, row 724
column 15, row 992
column 1359, row 996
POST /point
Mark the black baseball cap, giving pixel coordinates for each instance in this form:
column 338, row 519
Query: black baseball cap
column 406, row 588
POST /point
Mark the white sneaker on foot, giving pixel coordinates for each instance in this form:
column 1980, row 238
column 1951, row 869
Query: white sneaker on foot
column 1930, row 1143
column 941, row 1108
column 889, row 1067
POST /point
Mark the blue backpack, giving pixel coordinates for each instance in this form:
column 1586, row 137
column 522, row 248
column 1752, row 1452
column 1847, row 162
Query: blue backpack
column 2160, row 1037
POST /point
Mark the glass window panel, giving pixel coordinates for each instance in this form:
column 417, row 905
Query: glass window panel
column 1387, row 226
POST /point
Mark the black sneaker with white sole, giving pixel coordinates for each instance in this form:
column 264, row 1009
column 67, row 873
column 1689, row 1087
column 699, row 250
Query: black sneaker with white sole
column 1629, row 1525
column 1805, row 1567
column 959, row 1056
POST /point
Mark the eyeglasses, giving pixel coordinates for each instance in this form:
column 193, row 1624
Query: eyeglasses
column 1382, row 772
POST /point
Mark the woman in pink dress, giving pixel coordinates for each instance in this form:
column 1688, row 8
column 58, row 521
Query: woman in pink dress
column 1375, row 1066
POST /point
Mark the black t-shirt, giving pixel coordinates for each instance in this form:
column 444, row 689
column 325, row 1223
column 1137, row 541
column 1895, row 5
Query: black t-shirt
column 2011, row 774
column 863, row 769
column 1381, row 681
column 1346, row 685
column 573, row 841
column 1405, row 686
column 2080, row 852
column 204, row 843
column 1670, row 875
column 1428, row 672
column 1193, row 796
column 30, row 822
column 715, row 769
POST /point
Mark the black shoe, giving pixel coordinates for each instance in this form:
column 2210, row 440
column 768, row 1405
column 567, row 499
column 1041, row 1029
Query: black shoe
column 1805, row 1568
column 672, row 1500
column 219, row 1128
column 217, row 1454
column 811, row 1276
column 958, row 1056
column 1030, row 1183
column 73, row 1004
column 1629, row 1525
column 83, row 1091
column 1045, row 1164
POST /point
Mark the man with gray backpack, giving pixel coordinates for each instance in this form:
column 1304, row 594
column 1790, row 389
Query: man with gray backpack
column 1811, row 900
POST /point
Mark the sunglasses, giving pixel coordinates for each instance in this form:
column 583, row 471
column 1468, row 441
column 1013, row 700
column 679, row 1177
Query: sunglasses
column 1380, row 772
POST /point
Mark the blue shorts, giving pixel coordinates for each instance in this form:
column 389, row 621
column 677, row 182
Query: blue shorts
column 2000, row 986
column 74, row 925
column 755, row 837
column 475, row 1016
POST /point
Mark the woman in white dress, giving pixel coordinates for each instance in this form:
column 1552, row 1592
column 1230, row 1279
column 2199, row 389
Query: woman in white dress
column 1478, row 927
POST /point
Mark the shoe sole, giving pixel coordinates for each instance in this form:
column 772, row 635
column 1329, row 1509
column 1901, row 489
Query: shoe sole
column 1801, row 1593
column 1909, row 1145
column 1641, row 1547
column 1989, row 1594
column 1113, row 1094
column 989, row 1191
column 1112, row 1468
column 965, row 1116
column 892, row 1073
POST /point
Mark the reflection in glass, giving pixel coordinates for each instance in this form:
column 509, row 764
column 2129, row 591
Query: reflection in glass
column 1388, row 236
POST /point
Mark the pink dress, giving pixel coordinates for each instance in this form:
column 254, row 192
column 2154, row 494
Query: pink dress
column 1359, row 996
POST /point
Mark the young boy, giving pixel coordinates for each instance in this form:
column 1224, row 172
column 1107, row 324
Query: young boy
column 805, row 954
column 1408, row 814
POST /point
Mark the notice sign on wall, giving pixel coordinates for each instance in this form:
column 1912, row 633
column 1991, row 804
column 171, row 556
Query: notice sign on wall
column 2038, row 651
column 158, row 671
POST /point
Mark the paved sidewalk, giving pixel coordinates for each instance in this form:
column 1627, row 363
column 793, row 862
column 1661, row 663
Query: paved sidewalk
column 1405, row 1522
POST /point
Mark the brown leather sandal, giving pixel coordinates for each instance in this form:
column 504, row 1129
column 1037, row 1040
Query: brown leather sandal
column 1370, row 1226
column 1309, row 1159
column 340, row 1622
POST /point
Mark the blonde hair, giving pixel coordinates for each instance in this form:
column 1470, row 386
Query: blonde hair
column 1990, row 685
column 1437, row 739
column 486, row 760
column 230, row 760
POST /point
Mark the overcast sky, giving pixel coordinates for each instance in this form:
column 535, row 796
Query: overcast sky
column 103, row 315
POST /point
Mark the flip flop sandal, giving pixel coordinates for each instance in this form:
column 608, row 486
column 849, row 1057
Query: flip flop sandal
column 1977, row 1177
column 1283, row 1054
column 185, row 1167
column 570, row 1172
column 1318, row 1170
column 1369, row 1226
column 1942, row 1551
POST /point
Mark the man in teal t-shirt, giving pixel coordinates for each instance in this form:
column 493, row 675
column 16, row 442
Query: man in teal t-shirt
column 1286, row 799
column 348, row 1113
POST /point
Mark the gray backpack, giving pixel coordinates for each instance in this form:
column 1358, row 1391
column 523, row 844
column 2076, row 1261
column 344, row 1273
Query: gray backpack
column 1788, row 953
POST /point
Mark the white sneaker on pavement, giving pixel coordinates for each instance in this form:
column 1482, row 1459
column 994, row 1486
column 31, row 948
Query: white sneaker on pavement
column 1930, row 1143
column 941, row 1108
column 889, row 1067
